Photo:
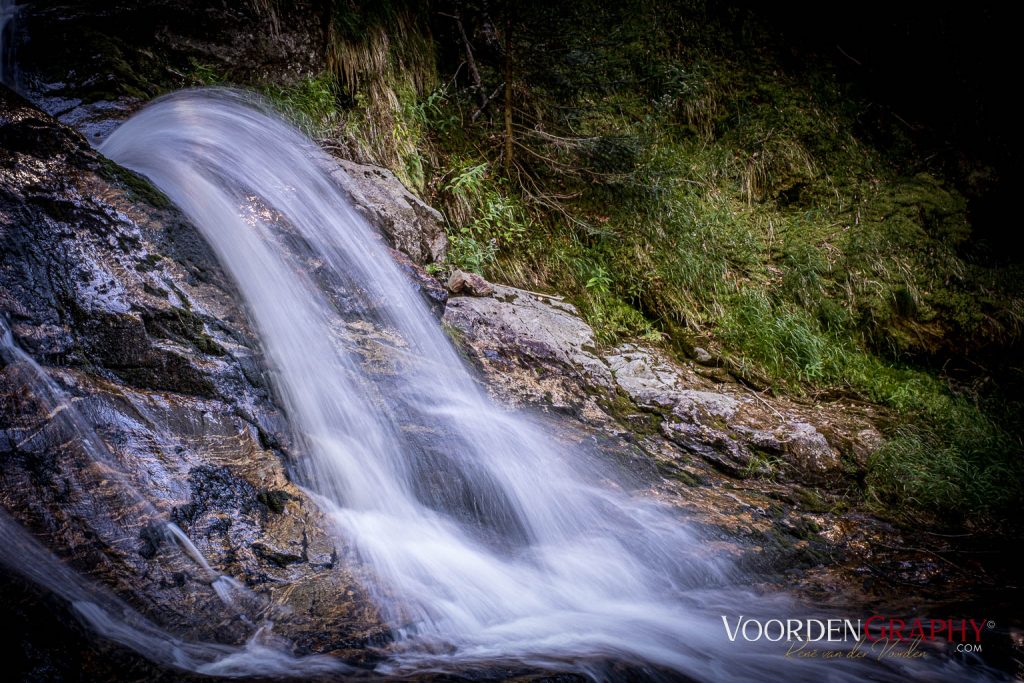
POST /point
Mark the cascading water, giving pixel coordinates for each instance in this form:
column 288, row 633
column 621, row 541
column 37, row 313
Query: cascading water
column 490, row 542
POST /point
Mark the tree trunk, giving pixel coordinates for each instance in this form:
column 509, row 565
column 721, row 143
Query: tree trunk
column 508, row 96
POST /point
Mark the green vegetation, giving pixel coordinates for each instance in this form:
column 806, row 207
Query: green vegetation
column 311, row 104
column 667, row 169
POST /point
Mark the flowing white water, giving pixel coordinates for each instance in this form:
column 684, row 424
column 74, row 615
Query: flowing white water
column 491, row 542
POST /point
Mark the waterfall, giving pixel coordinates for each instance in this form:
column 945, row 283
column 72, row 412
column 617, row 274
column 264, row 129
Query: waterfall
column 490, row 541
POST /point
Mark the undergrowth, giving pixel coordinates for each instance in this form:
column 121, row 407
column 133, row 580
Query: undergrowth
column 681, row 184
column 735, row 206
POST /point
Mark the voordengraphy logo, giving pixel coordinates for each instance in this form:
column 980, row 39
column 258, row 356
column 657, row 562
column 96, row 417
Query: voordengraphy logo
column 886, row 636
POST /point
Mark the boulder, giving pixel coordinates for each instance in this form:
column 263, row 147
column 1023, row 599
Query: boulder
column 530, row 347
column 646, row 378
column 653, row 381
column 410, row 225
column 697, row 421
column 702, row 356
column 808, row 449
column 470, row 284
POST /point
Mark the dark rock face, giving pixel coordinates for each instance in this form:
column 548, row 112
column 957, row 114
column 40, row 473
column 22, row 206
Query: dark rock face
column 106, row 285
column 435, row 295
column 93, row 63
column 153, row 367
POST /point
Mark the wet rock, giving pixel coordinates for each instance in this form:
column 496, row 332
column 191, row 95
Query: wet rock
column 715, row 446
column 432, row 291
column 809, row 449
column 531, row 348
column 469, row 284
column 409, row 224
column 151, row 405
column 275, row 500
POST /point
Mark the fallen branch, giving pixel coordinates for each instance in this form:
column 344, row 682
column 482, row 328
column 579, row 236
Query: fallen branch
column 487, row 101
column 553, row 297
column 767, row 405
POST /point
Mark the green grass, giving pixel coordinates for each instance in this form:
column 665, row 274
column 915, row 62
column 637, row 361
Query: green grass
column 312, row 104
column 947, row 457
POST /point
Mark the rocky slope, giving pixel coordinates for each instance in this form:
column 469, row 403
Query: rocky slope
column 138, row 328
column 539, row 350
column 768, row 475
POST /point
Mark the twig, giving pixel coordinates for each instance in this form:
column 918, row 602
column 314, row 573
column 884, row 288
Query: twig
column 554, row 297
column 925, row 551
column 903, row 121
column 767, row 405
column 845, row 54
column 556, row 138
column 487, row 101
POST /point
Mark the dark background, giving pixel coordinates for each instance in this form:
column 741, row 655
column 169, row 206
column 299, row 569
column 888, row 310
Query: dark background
column 946, row 72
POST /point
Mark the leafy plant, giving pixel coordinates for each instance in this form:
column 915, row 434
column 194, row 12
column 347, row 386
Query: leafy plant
column 492, row 219
column 600, row 281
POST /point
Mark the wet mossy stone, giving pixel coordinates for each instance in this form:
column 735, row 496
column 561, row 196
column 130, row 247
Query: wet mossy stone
column 274, row 500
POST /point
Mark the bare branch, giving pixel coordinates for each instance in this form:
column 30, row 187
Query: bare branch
column 487, row 101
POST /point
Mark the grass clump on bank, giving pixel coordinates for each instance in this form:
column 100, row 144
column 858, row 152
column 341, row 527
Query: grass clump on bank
column 945, row 456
